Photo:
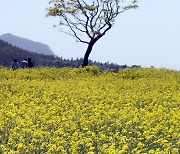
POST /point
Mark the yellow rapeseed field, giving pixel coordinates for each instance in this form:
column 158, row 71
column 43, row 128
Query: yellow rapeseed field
column 84, row 110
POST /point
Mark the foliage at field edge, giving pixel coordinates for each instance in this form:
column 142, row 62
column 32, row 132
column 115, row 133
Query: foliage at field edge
column 84, row 110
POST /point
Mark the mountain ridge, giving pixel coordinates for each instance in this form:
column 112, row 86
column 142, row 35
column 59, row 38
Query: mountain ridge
column 27, row 44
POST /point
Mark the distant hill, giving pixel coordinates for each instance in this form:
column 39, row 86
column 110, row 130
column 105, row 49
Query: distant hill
column 27, row 44
column 9, row 52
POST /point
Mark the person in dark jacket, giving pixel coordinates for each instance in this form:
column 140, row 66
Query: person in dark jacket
column 30, row 63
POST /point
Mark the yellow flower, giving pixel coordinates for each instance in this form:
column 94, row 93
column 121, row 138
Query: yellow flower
column 60, row 110
column 175, row 151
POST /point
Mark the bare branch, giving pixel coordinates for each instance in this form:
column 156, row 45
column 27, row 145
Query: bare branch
column 90, row 17
column 74, row 32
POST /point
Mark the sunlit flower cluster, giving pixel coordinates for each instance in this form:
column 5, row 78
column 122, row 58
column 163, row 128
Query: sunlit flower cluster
column 84, row 110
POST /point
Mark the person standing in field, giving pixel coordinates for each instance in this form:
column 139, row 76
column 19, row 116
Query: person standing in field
column 15, row 64
column 30, row 63
column 24, row 63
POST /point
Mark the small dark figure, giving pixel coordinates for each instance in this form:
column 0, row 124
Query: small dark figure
column 24, row 63
column 30, row 63
column 15, row 64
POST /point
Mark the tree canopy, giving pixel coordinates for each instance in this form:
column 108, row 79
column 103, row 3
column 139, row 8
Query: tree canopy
column 90, row 17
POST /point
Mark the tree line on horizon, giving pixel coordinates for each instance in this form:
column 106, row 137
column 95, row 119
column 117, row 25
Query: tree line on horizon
column 9, row 52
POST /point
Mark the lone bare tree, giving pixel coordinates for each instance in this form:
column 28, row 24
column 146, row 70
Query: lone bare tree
column 90, row 17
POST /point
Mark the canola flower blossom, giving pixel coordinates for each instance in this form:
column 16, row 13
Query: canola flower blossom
column 84, row 110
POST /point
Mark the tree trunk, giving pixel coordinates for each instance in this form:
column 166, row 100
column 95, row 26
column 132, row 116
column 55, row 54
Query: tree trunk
column 88, row 51
column 89, row 48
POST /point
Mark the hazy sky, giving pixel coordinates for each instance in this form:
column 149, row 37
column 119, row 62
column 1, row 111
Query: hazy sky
column 147, row 36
